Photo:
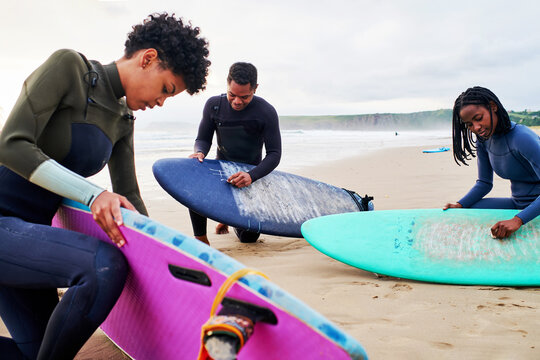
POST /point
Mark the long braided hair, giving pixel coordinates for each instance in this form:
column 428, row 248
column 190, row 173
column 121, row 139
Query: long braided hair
column 462, row 136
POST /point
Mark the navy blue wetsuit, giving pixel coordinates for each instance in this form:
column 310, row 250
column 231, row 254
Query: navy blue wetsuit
column 70, row 111
column 240, row 137
column 514, row 156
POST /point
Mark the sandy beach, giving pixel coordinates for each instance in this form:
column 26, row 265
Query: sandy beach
column 392, row 318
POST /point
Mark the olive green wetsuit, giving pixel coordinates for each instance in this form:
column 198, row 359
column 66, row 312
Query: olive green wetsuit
column 69, row 122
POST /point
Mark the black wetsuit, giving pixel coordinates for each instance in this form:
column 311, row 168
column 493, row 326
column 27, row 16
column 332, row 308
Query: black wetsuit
column 240, row 137
column 71, row 112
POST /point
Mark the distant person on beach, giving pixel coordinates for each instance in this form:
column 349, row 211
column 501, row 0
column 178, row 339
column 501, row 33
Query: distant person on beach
column 510, row 150
column 242, row 122
column 72, row 118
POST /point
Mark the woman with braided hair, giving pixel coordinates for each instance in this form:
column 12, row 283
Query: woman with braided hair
column 510, row 150
column 73, row 117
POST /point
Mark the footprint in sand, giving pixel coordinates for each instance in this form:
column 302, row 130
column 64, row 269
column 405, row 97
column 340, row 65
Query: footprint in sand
column 495, row 305
column 365, row 283
column 396, row 288
column 402, row 287
column 442, row 345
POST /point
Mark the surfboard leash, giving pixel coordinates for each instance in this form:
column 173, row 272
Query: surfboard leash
column 240, row 327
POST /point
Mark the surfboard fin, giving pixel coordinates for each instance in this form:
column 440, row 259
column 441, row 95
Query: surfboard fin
column 364, row 204
column 254, row 312
column 191, row 275
column 246, row 236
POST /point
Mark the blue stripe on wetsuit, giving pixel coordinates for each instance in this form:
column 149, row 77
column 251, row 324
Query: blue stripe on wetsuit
column 90, row 150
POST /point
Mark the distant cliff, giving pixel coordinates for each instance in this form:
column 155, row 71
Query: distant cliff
column 529, row 118
column 418, row 120
column 424, row 120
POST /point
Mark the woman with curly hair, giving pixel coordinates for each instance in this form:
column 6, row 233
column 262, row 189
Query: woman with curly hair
column 510, row 150
column 72, row 118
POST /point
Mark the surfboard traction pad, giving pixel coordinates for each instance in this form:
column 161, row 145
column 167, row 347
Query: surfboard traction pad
column 453, row 246
column 160, row 316
column 276, row 204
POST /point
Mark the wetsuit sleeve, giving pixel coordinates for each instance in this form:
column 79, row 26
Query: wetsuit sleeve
column 203, row 143
column 529, row 147
column 484, row 184
column 54, row 177
column 122, row 172
column 39, row 99
column 272, row 144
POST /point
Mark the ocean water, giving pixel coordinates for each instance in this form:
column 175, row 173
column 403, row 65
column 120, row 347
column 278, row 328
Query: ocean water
column 300, row 148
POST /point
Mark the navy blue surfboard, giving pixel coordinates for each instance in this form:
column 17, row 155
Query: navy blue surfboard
column 277, row 204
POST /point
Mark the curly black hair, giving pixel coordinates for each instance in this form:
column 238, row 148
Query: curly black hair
column 179, row 47
column 243, row 73
column 463, row 142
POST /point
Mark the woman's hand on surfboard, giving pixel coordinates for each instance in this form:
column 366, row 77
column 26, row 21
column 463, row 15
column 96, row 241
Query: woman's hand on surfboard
column 106, row 212
column 452, row 206
column 504, row 229
column 198, row 155
column 240, row 179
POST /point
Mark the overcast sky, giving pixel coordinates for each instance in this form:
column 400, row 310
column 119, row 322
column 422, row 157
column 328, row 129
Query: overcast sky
column 314, row 57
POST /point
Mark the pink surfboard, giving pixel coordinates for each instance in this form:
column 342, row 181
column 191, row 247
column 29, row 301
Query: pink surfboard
column 169, row 292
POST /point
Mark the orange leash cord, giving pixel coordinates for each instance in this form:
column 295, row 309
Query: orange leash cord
column 210, row 327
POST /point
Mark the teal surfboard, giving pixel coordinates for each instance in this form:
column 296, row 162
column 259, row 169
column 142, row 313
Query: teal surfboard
column 453, row 246
column 437, row 150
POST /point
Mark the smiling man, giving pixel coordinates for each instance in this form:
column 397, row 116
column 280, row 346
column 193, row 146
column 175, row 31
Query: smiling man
column 243, row 123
